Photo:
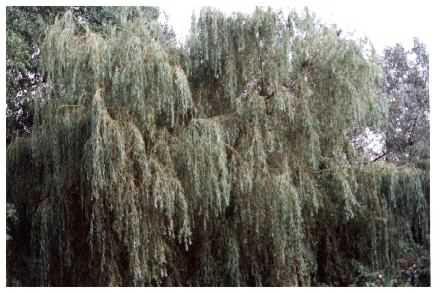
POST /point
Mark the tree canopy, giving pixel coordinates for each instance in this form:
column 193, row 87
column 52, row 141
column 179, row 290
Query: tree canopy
column 406, row 86
column 226, row 162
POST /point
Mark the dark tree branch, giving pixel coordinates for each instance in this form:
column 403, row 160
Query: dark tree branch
column 380, row 156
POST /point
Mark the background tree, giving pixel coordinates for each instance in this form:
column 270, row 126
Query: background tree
column 406, row 89
column 25, row 27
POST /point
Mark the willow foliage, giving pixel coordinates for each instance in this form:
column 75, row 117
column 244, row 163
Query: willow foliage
column 126, row 62
column 233, row 168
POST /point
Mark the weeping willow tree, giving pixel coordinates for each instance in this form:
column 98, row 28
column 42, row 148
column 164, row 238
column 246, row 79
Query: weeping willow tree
column 231, row 165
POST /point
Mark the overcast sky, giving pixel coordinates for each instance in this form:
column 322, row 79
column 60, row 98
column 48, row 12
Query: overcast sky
column 384, row 22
